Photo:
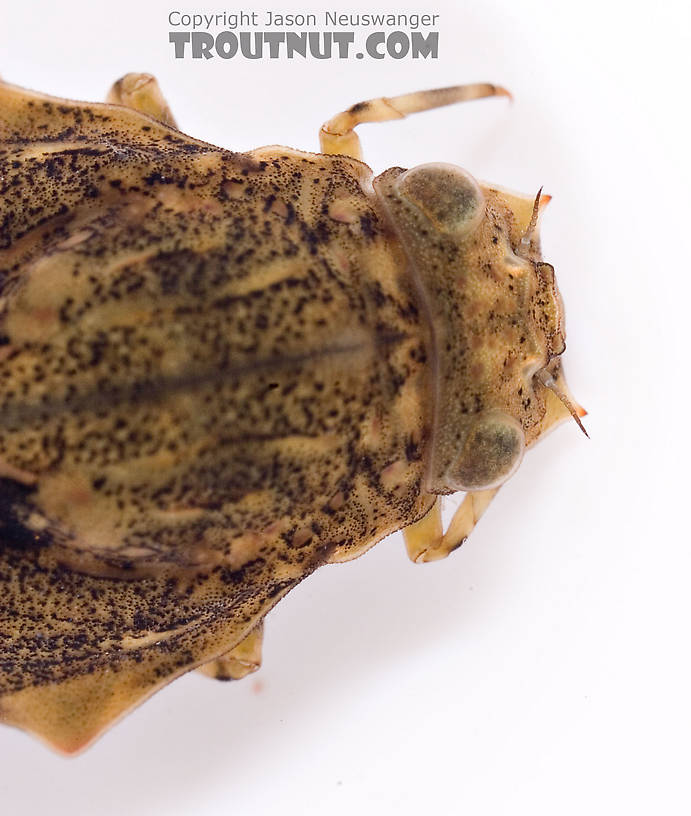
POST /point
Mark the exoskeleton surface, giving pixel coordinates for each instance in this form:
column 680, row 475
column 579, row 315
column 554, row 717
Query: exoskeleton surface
column 219, row 371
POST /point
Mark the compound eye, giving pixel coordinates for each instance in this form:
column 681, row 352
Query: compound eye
column 492, row 451
column 447, row 195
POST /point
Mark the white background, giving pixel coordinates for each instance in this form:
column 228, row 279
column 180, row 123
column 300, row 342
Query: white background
column 543, row 668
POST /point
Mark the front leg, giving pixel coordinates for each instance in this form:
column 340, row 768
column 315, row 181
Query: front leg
column 426, row 541
column 337, row 136
column 141, row 92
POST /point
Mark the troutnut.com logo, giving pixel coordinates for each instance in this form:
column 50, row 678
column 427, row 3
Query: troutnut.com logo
column 327, row 35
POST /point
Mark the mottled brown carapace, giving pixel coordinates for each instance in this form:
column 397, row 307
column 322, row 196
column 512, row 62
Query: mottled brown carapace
column 219, row 371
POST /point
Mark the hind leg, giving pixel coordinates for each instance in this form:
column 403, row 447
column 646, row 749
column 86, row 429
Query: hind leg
column 244, row 659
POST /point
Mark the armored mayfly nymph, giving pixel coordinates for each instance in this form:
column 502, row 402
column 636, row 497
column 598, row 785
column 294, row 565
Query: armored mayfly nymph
column 220, row 371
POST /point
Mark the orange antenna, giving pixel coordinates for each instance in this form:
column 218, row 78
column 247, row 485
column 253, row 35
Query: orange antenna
column 533, row 219
column 549, row 382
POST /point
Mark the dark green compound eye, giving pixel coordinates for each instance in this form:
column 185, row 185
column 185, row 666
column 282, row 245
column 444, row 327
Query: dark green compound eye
column 492, row 451
column 447, row 195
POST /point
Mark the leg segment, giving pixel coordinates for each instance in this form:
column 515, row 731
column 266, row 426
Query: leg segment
column 244, row 659
column 141, row 93
column 338, row 137
column 425, row 540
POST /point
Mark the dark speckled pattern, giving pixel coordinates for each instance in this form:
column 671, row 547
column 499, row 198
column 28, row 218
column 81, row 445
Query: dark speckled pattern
column 219, row 371
column 212, row 380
